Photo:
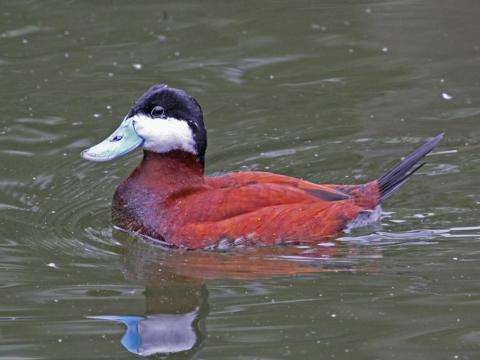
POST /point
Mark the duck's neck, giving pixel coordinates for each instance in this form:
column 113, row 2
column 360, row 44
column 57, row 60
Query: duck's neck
column 157, row 178
column 174, row 169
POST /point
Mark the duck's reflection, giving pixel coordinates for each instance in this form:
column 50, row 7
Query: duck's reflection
column 175, row 291
column 170, row 325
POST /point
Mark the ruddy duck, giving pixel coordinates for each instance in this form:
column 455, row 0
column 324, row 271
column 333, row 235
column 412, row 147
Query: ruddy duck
column 168, row 197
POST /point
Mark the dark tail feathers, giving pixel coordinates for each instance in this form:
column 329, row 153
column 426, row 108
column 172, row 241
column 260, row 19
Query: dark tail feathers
column 398, row 175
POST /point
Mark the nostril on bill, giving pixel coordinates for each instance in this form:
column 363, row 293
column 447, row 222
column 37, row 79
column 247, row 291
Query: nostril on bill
column 116, row 138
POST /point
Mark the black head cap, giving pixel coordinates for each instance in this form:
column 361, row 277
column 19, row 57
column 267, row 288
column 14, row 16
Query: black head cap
column 161, row 101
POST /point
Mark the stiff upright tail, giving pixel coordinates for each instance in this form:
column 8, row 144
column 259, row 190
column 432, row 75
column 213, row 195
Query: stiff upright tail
column 398, row 175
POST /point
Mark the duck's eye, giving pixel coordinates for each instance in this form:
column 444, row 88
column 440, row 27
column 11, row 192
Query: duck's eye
column 158, row 112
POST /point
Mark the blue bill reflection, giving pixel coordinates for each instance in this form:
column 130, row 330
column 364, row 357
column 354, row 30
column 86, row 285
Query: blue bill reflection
column 159, row 333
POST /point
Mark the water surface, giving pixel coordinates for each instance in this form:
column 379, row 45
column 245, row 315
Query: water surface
column 332, row 91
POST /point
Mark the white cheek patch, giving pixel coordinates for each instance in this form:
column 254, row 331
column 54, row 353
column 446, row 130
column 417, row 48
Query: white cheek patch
column 164, row 135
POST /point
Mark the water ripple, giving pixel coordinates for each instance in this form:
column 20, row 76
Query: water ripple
column 26, row 30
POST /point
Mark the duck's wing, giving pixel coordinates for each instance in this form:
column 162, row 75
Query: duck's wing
column 261, row 209
column 366, row 195
column 321, row 192
column 213, row 203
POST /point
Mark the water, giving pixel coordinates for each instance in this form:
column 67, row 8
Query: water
column 332, row 91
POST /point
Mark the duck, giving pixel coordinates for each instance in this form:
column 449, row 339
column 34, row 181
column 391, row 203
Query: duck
column 168, row 198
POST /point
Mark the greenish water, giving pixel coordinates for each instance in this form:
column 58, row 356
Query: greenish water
column 331, row 91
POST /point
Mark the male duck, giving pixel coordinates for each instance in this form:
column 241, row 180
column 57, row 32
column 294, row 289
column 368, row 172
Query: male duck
column 168, row 197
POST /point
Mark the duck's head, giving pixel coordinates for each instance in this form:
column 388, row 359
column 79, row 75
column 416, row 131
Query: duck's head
column 161, row 120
